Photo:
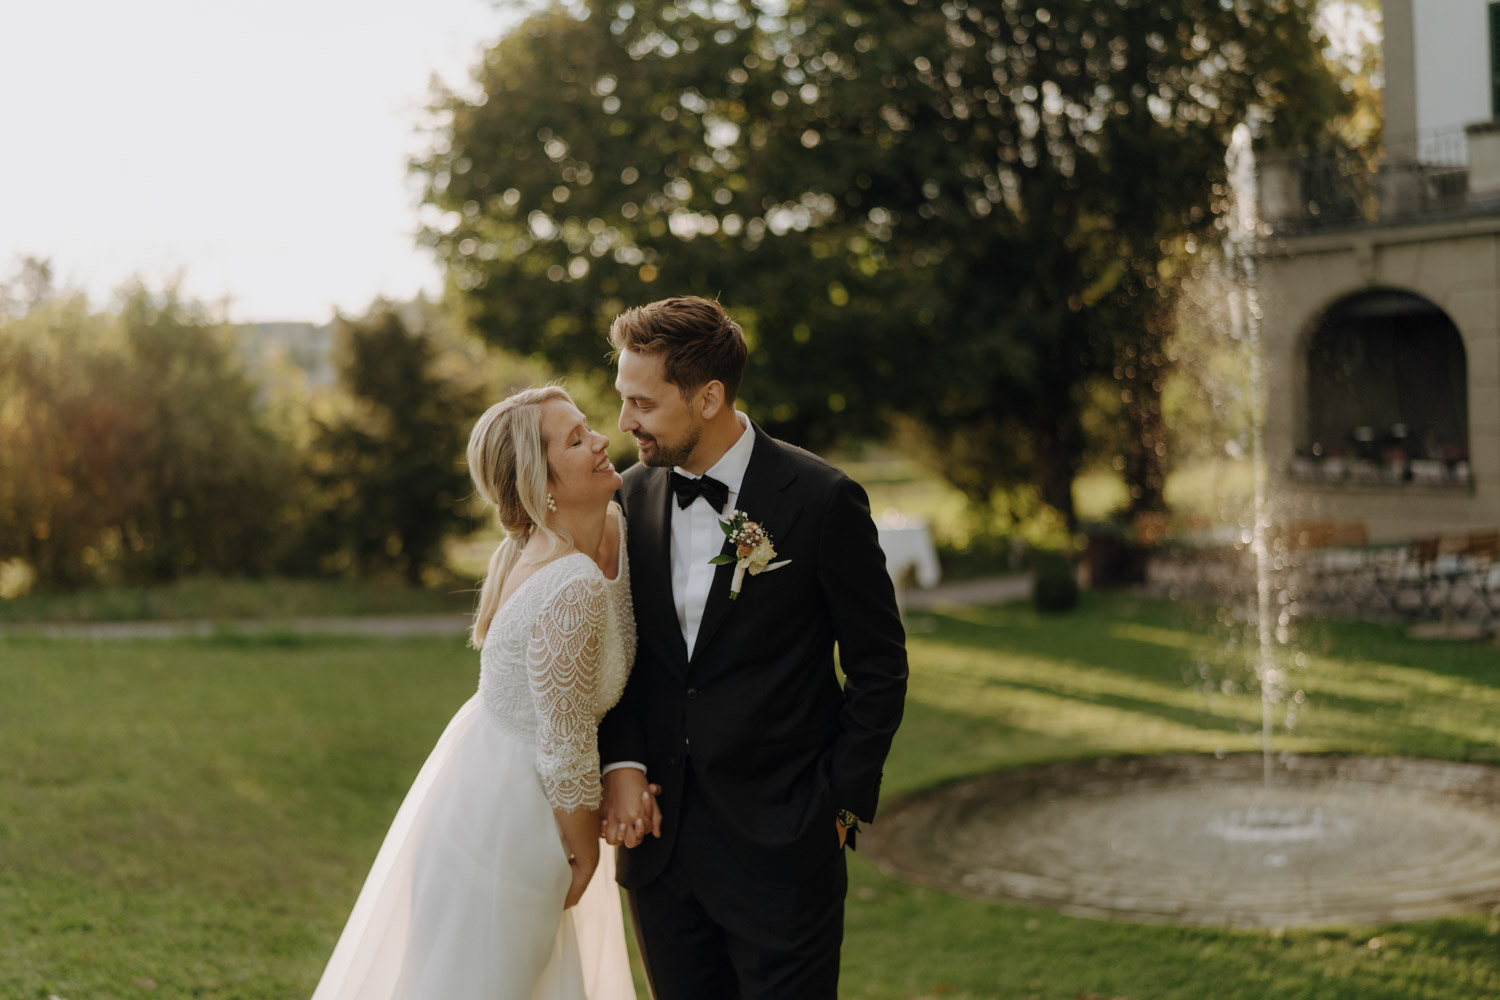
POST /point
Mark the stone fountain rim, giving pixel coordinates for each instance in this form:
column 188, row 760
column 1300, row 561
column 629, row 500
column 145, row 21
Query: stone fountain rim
column 1106, row 765
column 1470, row 781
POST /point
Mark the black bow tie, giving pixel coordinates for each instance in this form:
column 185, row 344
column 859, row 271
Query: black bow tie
column 710, row 489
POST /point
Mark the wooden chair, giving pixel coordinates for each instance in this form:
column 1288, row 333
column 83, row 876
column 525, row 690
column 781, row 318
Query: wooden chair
column 1482, row 552
column 1410, row 577
column 1347, row 565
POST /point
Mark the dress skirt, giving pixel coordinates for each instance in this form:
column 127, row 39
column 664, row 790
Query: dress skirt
column 465, row 899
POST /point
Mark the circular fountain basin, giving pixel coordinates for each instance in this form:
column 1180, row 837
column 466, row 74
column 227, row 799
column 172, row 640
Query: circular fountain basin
column 1204, row 841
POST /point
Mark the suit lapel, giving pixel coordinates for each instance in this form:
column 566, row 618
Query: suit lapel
column 763, row 501
column 655, row 563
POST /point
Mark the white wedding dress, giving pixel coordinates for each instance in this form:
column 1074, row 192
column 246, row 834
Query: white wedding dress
column 465, row 899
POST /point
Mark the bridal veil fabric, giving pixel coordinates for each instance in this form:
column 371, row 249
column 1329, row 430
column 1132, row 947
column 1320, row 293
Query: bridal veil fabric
column 464, row 900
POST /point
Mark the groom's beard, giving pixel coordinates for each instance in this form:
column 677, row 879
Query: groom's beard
column 663, row 456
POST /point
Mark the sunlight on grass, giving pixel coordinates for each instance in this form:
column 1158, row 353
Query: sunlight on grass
column 201, row 813
column 1171, row 638
column 1058, row 696
column 1376, row 681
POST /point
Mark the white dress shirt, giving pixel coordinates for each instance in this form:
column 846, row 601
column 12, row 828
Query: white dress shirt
column 697, row 536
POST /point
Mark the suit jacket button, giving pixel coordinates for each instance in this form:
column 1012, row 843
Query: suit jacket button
column 692, row 693
column 676, row 758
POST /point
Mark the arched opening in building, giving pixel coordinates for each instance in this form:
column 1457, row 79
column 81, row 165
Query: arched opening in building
column 1387, row 393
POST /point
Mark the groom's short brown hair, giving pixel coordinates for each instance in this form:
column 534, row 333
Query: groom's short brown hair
column 694, row 337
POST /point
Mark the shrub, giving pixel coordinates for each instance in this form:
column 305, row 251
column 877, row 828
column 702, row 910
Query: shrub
column 134, row 446
column 1055, row 589
column 386, row 460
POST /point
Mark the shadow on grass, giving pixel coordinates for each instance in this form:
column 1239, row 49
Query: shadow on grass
column 1160, row 671
column 1137, row 631
column 203, row 811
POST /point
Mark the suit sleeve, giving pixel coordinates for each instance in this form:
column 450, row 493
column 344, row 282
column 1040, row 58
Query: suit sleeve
column 621, row 736
column 872, row 647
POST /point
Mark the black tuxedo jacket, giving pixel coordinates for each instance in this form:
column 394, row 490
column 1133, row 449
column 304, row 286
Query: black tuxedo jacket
column 777, row 745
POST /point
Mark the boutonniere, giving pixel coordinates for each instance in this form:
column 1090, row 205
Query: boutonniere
column 753, row 550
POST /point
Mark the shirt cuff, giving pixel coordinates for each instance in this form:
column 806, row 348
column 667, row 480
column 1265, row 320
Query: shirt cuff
column 623, row 763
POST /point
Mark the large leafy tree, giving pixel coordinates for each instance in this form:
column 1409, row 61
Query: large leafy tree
column 957, row 213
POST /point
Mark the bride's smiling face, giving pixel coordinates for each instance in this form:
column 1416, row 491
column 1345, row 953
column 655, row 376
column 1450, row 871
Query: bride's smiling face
column 579, row 473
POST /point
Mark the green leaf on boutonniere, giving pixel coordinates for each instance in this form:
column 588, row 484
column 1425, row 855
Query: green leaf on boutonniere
column 723, row 560
column 728, row 526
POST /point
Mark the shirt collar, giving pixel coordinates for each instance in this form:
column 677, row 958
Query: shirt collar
column 731, row 466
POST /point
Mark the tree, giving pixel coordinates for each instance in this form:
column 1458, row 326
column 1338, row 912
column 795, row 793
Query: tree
column 133, row 446
column 958, row 213
column 214, row 479
column 385, row 462
column 63, row 481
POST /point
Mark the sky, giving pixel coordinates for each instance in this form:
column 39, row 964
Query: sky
column 255, row 151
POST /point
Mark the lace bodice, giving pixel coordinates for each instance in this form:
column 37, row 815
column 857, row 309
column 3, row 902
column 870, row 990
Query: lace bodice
column 554, row 660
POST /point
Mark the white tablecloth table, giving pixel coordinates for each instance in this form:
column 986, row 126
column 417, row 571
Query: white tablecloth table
column 907, row 544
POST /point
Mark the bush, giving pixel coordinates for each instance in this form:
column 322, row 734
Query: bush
column 385, row 463
column 134, row 446
column 1055, row 589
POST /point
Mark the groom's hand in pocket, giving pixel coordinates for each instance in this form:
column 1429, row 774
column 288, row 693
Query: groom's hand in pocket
column 629, row 810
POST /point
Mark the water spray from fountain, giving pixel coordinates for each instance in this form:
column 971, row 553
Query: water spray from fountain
column 1339, row 840
column 1245, row 315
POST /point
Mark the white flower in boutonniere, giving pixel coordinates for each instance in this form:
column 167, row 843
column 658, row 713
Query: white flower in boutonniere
column 753, row 550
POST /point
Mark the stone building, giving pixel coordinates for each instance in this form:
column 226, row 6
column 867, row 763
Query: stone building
column 1381, row 297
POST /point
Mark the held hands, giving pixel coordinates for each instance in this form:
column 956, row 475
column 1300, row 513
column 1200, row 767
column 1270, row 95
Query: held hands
column 629, row 811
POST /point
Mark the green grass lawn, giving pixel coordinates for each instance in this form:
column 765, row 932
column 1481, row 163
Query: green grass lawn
column 194, row 818
column 219, row 598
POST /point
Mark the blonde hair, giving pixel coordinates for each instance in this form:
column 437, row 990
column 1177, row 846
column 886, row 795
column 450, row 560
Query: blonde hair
column 508, row 463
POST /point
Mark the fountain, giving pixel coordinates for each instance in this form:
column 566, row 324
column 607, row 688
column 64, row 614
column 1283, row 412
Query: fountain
column 1244, row 311
column 1244, row 840
column 1198, row 841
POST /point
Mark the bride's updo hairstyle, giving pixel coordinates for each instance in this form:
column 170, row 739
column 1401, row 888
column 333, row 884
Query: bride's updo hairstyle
column 508, row 463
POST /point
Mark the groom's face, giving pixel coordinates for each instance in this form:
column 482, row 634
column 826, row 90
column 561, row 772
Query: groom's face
column 652, row 410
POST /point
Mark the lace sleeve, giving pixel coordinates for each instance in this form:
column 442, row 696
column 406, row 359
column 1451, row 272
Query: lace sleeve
column 562, row 664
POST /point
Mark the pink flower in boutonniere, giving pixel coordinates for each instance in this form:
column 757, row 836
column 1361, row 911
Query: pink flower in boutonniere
column 753, row 550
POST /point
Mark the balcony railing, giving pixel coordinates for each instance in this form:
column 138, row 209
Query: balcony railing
column 1442, row 175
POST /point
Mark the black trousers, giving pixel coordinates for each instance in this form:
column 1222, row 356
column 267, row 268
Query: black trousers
column 709, row 930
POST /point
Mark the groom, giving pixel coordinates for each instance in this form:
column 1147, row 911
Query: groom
column 766, row 762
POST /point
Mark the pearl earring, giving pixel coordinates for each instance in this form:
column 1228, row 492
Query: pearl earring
column 551, row 503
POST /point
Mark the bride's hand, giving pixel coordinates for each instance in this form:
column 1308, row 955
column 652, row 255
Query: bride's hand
column 579, row 829
column 629, row 811
column 583, row 870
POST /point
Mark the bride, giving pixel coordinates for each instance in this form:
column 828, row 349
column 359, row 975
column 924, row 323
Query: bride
column 490, row 882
